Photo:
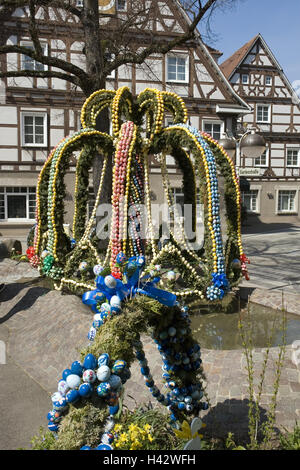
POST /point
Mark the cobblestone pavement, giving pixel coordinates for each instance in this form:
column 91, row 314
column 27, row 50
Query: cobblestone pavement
column 47, row 329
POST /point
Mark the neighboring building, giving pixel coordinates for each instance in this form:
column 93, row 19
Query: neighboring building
column 274, row 178
column 36, row 113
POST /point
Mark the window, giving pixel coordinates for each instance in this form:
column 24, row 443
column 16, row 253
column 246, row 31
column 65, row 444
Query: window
column 177, row 68
column 79, row 3
column 28, row 63
column 213, row 128
column 250, row 200
column 121, row 5
column 34, row 129
column 286, row 201
column 263, row 113
column 17, row 203
column 292, row 157
column 263, row 159
column 245, row 79
column 268, row 80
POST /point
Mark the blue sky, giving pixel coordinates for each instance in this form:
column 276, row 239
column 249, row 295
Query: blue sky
column 278, row 22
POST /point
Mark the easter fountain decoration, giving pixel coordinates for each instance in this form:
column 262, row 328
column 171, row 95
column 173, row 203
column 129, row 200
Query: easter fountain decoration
column 126, row 287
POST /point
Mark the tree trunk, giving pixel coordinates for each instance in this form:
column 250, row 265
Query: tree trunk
column 94, row 52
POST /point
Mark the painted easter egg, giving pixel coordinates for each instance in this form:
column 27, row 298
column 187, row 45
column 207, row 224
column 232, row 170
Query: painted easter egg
column 236, row 264
column 115, row 381
column 90, row 362
column 76, row 368
column 89, row 376
column 118, row 366
column 99, row 297
column 171, row 276
column 103, row 360
column 85, row 390
column 103, row 373
column 72, row 396
column 103, row 389
column 73, row 381
column 140, row 261
column 52, row 426
column 44, row 253
column 110, row 282
column 56, row 396
column 104, row 316
column 83, row 266
column 62, row 387
column 105, row 308
column 97, row 321
column 121, row 258
column 115, row 310
column 97, row 269
column 85, row 448
column 172, row 331
column 54, row 416
column 115, row 301
column 60, row 404
column 92, row 333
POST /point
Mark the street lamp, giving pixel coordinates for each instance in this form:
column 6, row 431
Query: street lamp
column 251, row 145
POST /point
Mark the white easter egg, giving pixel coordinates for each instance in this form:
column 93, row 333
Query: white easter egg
column 89, row 376
column 115, row 301
column 56, row 396
column 110, row 282
column 73, row 381
column 62, row 387
column 103, row 373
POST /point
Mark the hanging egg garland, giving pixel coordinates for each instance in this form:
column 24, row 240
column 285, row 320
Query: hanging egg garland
column 101, row 378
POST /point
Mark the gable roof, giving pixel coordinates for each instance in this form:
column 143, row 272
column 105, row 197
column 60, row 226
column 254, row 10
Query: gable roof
column 229, row 65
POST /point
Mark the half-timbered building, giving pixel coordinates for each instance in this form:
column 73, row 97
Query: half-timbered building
column 272, row 192
column 36, row 113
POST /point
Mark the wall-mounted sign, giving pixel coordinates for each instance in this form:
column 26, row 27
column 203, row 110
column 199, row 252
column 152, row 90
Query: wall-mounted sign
column 249, row 172
column 107, row 7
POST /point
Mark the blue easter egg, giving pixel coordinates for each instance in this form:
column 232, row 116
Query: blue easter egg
column 103, row 360
column 115, row 310
column 121, row 258
column 90, row 362
column 181, row 405
column 97, row 321
column 85, row 390
column 103, row 389
column 60, row 404
column 104, row 447
column 65, row 373
column 113, row 410
column 76, row 368
column 115, row 381
column 54, row 416
column 85, row 448
column 140, row 261
column 118, row 366
column 52, row 426
column 72, row 396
